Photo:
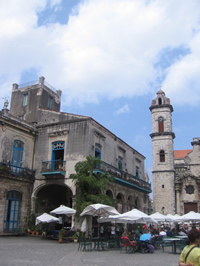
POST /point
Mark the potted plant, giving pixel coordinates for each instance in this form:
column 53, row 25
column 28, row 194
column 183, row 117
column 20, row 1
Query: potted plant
column 61, row 235
column 75, row 237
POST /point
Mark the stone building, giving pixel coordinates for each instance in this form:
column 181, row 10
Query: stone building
column 59, row 141
column 176, row 173
column 16, row 177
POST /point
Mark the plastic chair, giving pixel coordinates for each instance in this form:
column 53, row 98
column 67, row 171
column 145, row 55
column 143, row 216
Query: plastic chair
column 129, row 246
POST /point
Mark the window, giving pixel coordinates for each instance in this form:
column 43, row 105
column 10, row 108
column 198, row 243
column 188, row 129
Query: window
column 120, row 163
column 137, row 172
column 163, row 186
column 25, row 99
column 162, row 156
column 159, row 101
column 18, row 148
column 50, row 102
column 57, row 155
column 160, row 124
column 98, row 151
column 12, row 209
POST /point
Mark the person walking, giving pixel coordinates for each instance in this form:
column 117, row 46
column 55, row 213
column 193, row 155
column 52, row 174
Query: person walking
column 190, row 256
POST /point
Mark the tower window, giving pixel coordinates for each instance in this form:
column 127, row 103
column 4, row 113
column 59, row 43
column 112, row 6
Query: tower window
column 159, row 101
column 162, row 156
column 50, row 101
column 163, row 186
column 120, row 163
column 160, row 125
column 25, row 99
column 137, row 172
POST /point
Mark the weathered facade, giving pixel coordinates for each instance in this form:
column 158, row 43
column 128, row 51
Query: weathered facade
column 60, row 140
column 17, row 140
column 176, row 174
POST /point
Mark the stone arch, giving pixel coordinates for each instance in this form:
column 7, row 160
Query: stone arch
column 109, row 193
column 130, row 203
column 137, row 203
column 120, row 203
column 50, row 196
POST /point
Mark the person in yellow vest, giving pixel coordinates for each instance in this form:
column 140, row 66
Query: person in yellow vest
column 190, row 256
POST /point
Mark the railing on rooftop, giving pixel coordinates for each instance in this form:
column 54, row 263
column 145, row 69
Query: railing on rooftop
column 31, row 83
column 53, row 166
column 35, row 82
column 116, row 172
column 16, row 170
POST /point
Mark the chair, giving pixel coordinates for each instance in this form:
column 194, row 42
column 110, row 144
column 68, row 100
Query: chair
column 180, row 245
column 126, row 244
column 84, row 244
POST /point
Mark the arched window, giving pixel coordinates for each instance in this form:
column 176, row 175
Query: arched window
column 159, row 101
column 160, row 124
column 162, row 156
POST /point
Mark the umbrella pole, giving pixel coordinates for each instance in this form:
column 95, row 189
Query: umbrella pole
column 98, row 230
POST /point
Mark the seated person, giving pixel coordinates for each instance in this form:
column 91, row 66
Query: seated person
column 126, row 242
column 145, row 236
column 162, row 232
column 144, row 240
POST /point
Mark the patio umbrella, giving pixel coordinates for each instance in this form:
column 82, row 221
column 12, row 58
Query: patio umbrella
column 45, row 218
column 63, row 210
column 160, row 218
column 133, row 216
column 191, row 216
column 99, row 210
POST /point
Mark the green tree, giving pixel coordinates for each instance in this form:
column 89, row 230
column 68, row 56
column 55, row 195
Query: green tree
column 90, row 186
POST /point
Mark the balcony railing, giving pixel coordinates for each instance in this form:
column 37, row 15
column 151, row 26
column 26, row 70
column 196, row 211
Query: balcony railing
column 16, row 170
column 123, row 175
column 53, row 167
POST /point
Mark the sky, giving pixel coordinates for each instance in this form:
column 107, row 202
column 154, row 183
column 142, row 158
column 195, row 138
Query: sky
column 109, row 58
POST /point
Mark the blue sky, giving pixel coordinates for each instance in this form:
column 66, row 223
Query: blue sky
column 109, row 58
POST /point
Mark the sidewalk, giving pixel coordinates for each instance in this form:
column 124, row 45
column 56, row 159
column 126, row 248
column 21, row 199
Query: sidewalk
column 31, row 251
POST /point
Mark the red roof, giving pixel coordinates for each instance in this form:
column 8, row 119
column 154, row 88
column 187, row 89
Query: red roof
column 181, row 153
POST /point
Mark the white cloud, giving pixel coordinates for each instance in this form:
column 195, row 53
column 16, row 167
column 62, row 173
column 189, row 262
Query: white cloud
column 109, row 48
column 123, row 109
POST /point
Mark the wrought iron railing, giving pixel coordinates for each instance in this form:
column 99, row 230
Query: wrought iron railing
column 116, row 172
column 16, row 170
column 53, row 166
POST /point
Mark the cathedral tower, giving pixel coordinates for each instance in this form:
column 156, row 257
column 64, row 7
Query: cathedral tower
column 163, row 154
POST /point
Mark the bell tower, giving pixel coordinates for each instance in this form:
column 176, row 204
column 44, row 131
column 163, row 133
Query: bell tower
column 163, row 154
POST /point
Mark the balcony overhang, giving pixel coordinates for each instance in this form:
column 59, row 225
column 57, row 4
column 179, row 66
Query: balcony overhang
column 130, row 185
column 126, row 183
column 53, row 173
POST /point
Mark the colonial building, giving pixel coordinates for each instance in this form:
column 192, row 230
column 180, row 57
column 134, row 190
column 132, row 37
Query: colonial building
column 176, row 174
column 50, row 143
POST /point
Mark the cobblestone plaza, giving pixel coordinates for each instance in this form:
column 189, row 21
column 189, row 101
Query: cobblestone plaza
column 31, row 251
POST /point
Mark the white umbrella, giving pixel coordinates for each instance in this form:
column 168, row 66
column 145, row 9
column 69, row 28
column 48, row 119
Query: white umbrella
column 46, row 218
column 133, row 216
column 63, row 210
column 190, row 217
column 159, row 217
column 99, row 210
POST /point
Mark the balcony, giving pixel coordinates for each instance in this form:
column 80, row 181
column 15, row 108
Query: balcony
column 124, row 178
column 12, row 170
column 53, row 168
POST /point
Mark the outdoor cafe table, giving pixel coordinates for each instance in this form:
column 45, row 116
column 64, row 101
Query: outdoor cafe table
column 173, row 240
